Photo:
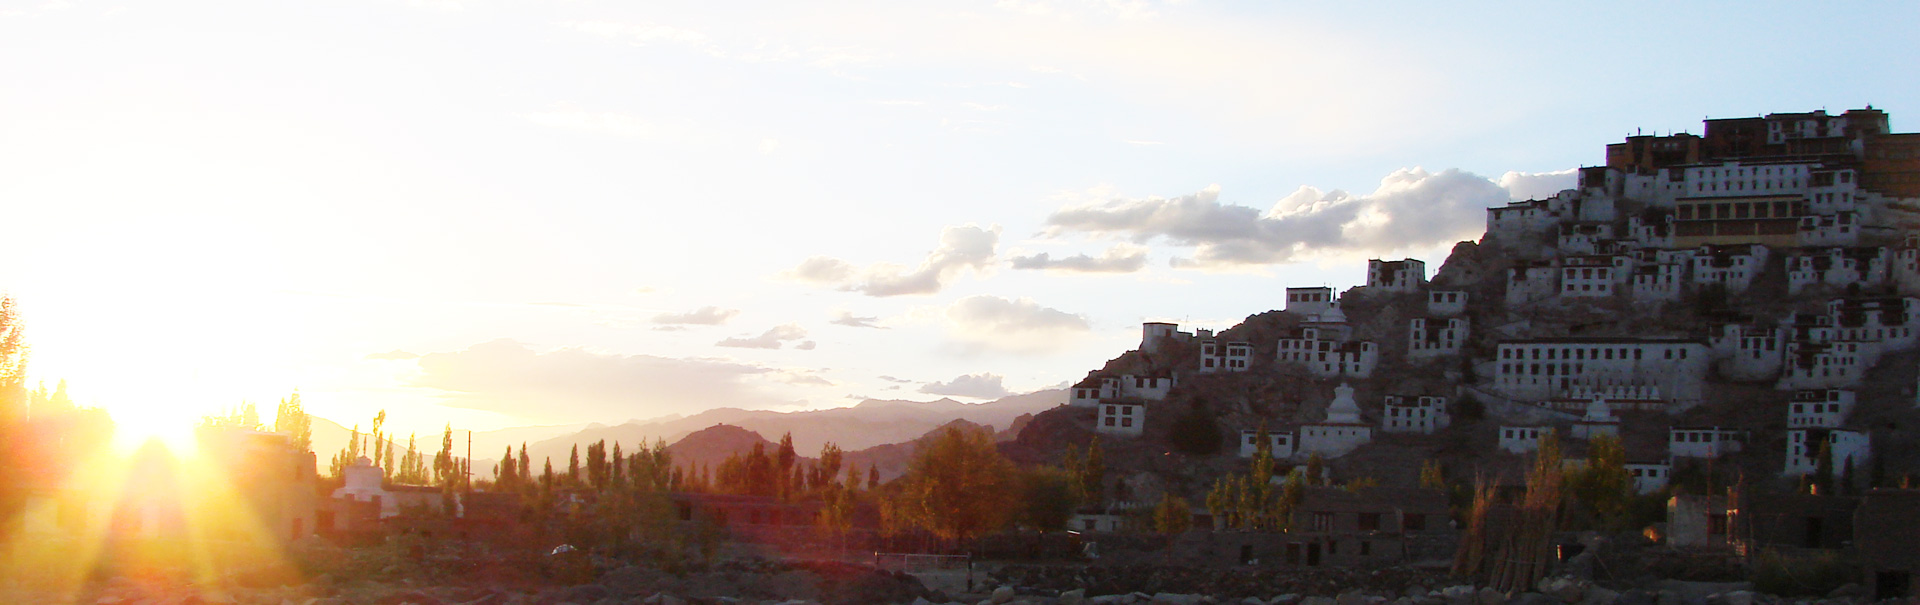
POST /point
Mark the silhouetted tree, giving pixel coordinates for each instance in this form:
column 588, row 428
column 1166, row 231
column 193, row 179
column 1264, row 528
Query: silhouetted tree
column 1196, row 432
column 292, row 420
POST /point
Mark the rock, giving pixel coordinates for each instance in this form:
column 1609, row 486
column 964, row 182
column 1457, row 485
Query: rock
column 1351, row 597
column 1285, row 599
column 1077, row 596
column 1001, row 595
column 1316, row 600
column 1737, row 597
column 1534, row 598
column 1566, row 589
column 1489, row 596
column 664, row 599
column 1636, row 597
column 1168, row 598
column 1669, row 597
column 1111, row 599
column 1845, row 591
column 1414, row 591
column 1253, row 601
column 1599, row 596
column 1456, row 595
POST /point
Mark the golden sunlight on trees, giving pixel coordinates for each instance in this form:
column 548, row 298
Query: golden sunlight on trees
column 292, row 420
column 13, row 361
column 957, row 486
column 1172, row 515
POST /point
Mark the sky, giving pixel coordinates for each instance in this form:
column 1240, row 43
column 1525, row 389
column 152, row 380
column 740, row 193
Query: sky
column 494, row 214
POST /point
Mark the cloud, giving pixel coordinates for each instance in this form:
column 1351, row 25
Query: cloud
column 976, row 386
column 573, row 384
column 1537, row 185
column 991, row 322
column 773, row 338
column 703, row 316
column 961, row 248
column 1412, row 208
column 394, row 355
column 808, row 379
column 1123, row 258
column 565, row 116
column 854, row 321
column 640, row 33
column 892, row 379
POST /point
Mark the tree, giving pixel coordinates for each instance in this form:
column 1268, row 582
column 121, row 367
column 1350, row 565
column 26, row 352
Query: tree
column 443, row 468
column 957, row 485
column 597, row 464
column 13, row 362
column 1047, row 498
column 1172, row 515
column 573, row 466
column 783, row 461
column 292, row 420
column 1431, row 476
column 828, row 469
column 1603, row 484
column 616, row 466
column 1316, row 469
column 873, row 476
column 1223, row 501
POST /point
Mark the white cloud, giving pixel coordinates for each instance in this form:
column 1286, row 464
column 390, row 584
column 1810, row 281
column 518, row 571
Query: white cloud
column 854, row 321
column 773, row 338
column 974, row 386
column 703, row 316
column 1537, row 185
column 1021, row 326
column 639, row 33
column 1412, row 208
column 1122, row 258
column 961, row 248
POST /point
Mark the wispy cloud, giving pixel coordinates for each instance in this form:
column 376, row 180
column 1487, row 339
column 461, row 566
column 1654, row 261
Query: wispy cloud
column 984, row 322
column 703, row 316
column 1122, row 258
column 961, row 248
column 774, row 338
column 972, row 386
column 854, row 321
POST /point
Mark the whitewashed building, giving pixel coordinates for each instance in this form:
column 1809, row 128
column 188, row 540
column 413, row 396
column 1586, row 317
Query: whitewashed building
column 1837, row 268
column 1819, row 408
column 1446, row 303
column 1531, row 281
column 1153, row 333
column 1407, row 275
column 1906, row 266
column 1846, row 447
column 1092, row 390
column 1590, row 276
column 1655, row 231
column 1325, row 356
column 1225, row 357
column 1424, row 414
column 1837, row 229
column 1749, row 352
column 1658, row 282
column 1522, row 439
column 1126, row 419
column 1703, row 442
column 1150, row 388
column 1584, row 238
column 1542, row 369
column 1887, row 321
column 1826, row 365
column 1279, row 444
column 1436, row 337
column 1341, row 432
column 1731, row 266
column 363, row 483
column 1649, row 477
column 1518, row 221
column 1310, row 301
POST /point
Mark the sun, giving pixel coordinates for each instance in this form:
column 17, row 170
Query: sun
column 135, row 428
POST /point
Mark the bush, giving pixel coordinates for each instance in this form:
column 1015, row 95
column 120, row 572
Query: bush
column 1816, row 573
column 1196, row 432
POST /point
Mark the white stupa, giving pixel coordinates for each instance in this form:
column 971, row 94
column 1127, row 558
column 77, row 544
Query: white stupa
column 1343, row 410
column 1598, row 421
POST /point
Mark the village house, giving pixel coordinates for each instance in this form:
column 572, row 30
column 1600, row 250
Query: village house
column 1819, row 408
column 1649, row 477
column 1279, row 444
column 1698, row 522
column 1654, row 230
column 1703, row 442
column 1094, row 389
column 1406, row 275
column 1325, row 356
column 1540, row 369
column 1837, row 268
column 1748, row 352
column 1310, row 301
column 1906, row 266
column 1126, row 419
column 1792, row 521
column 1429, row 338
column 1658, row 282
column 1846, row 448
column 363, row 484
column 1371, row 526
column 1590, row 276
column 1225, row 357
column 1522, row 439
column 1826, row 365
column 1341, row 432
column 1446, row 303
column 1424, row 414
column 1732, row 267
column 1531, row 281
column 1154, row 333
column 1583, row 237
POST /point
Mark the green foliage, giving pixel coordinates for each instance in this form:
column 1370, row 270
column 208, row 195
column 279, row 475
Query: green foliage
column 1431, row 476
column 957, row 486
column 1172, row 515
column 1196, row 432
column 1047, row 498
column 1603, row 486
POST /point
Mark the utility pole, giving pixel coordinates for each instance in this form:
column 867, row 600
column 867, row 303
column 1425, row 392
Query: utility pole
column 469, row 462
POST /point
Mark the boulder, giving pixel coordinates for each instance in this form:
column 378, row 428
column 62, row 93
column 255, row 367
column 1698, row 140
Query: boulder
column 1077, row 596
column 1168, row 598
column 1285, row 599
column 1489, row 596
column 1599, row 596
column 1351, row 597
column 1316, row 600
column 1737, row 597
column 1003, row 594
column 1564, row 588
column 1534, row 598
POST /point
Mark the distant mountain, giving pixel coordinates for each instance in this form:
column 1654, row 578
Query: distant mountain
column 329, row 437
column 870, row 423
column 713, row 444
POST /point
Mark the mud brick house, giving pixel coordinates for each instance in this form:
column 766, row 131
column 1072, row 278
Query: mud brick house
column 1887, row 541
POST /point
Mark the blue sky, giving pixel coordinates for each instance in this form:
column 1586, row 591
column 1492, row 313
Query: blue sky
column 496, row 214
